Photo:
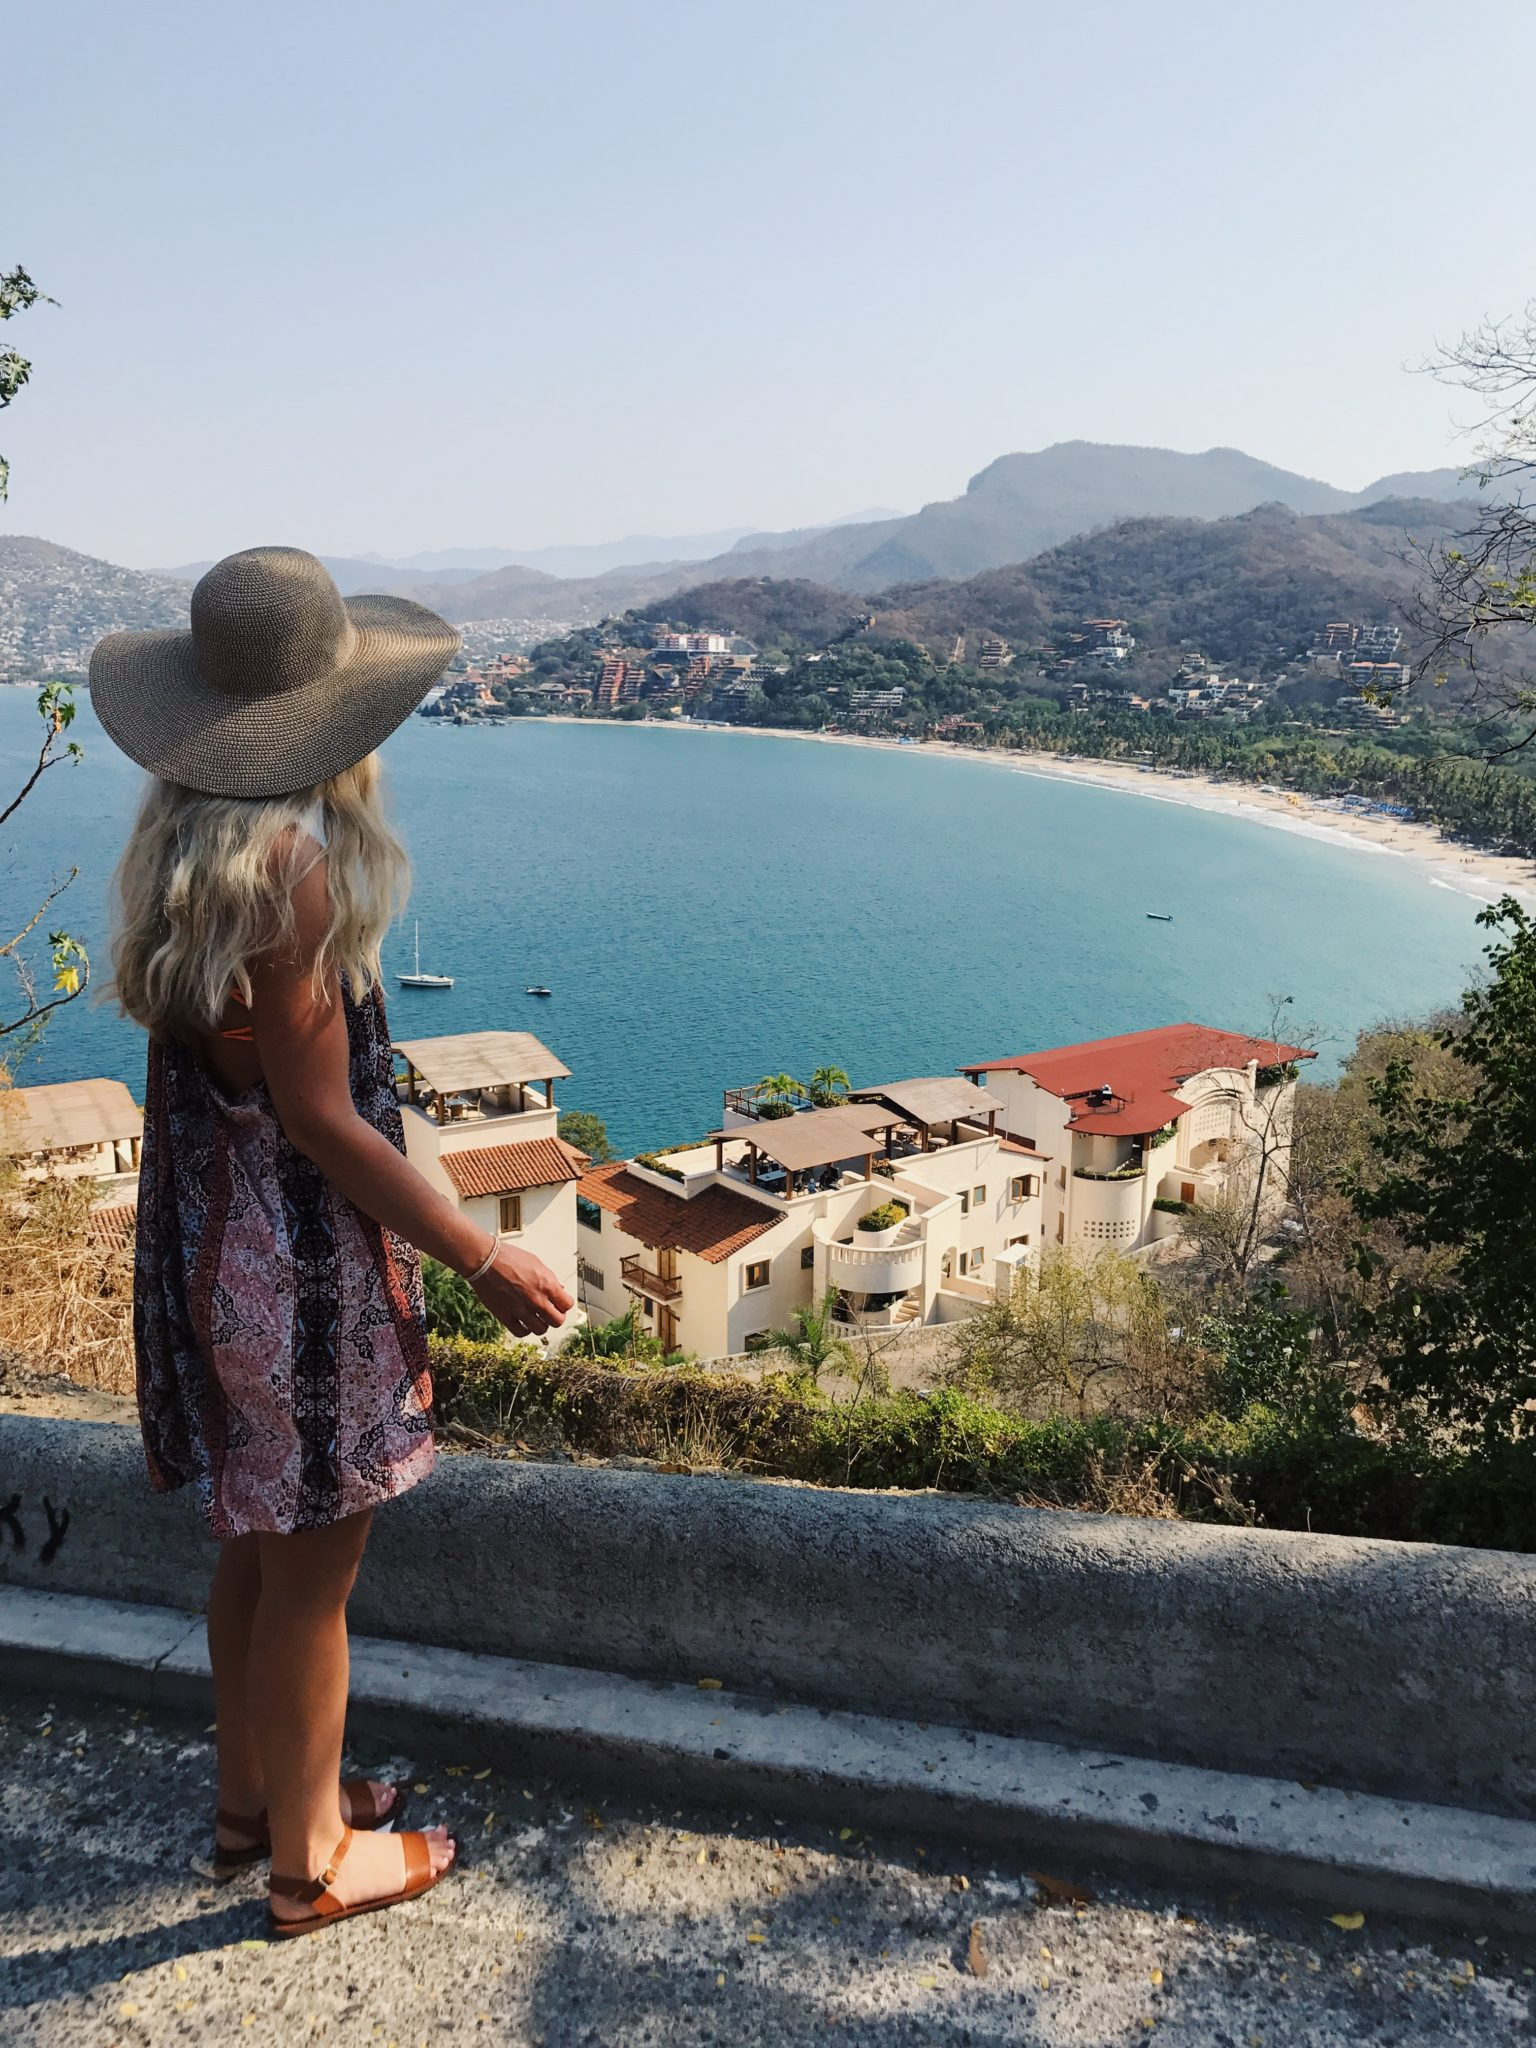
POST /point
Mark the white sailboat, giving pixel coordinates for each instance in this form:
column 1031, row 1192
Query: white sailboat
column 418, row 979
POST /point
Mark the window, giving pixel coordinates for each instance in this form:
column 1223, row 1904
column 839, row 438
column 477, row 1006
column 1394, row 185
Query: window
column 965, row 1203
column 1020, row 1240
column 1061, row 1229
column 807, row 1257
column 978, row 1197
column 946, row 1267
column 1021, row 1187
column 510, row 1212
column 978, row 1260
column 965, row 1259
column 756, row 1340
column 592, row 1276
column 588, row 1214
column 757, row 1273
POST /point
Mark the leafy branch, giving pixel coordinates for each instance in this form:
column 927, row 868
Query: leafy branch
column 18, row 294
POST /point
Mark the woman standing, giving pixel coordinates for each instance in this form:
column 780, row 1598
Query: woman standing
column 282, row 1365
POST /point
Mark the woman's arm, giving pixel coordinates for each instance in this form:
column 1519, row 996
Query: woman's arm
column 301, row 1042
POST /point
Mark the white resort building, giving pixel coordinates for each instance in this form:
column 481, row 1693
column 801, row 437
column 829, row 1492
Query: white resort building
column 1178, row 1116
column 481, row 1125
column 720, row 1241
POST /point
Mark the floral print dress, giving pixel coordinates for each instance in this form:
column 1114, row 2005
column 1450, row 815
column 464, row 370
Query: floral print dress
column 280, row 1335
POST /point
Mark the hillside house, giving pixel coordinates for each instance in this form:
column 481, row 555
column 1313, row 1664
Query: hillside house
column 481, row 1126
column 1184, row 1114
column 721, row 1241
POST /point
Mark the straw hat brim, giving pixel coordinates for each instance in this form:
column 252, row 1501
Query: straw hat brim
column 149, row 694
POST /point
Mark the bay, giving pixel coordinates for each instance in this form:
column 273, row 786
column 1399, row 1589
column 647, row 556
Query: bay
column 709, row 907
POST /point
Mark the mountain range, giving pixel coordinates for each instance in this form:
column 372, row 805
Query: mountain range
column 1122, row 506
column 354, row 573
column 1010, row 511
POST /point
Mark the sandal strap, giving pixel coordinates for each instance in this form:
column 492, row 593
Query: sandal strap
column 418, row 1864
column 364, row 1803
column 316, row 1891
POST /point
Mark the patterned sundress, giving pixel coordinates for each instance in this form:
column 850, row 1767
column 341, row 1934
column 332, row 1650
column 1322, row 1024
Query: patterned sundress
column 280, row 1335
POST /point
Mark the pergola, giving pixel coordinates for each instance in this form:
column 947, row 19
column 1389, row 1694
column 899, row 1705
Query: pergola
column 811, row 1139
column 475, row 1063
column 68, row 1116
column 935, row 1101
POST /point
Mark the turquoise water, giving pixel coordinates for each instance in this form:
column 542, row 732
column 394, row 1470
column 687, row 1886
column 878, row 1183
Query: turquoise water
column 711, row 907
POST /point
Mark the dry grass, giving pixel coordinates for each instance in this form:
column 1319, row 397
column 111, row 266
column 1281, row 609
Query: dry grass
column 66, row 1305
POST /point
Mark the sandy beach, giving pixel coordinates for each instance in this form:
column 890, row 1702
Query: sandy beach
column 1444, row 863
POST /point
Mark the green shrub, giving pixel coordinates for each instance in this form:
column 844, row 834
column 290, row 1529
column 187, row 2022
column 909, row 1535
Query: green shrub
column 885, row 1217
column 656, row 1164
column 1170, row 1207
column 453, row 1307
column 1303, row 1470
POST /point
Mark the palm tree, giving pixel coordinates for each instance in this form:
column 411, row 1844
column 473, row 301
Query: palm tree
column 777, row 1094
column 828, row 1085
column 810, row 1341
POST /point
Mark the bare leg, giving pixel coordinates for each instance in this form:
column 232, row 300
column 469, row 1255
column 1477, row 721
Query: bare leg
column 297, row 1693
column 231, row 1611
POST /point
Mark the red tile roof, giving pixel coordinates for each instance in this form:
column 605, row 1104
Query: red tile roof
column 1142, row 1070
column 711, row 1224
column 507, row 1169
column 112, row 1229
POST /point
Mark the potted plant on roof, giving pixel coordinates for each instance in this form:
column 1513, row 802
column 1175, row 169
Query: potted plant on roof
column 828, row 1085
column 879, row 1226
column 779, row 1095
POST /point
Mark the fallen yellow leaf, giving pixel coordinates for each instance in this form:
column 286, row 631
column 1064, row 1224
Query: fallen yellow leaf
column 719, row 1978
column 711, row 1684
column 421, row 1788
column 757, row 1939
column 703, row 1853
column 126, row 2010
column 927, row 1983
column 843, row 1834
column 253, row 1944
column 481, row 1776
column 180, row 1973
column 1348, row 1921
column 975, row 1953
column 1154, row 1978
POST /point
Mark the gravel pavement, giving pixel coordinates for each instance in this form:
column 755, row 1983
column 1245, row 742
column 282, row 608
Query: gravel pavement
column 618, row 1924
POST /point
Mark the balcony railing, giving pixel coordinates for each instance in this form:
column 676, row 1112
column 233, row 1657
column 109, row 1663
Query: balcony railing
column 658, row 1286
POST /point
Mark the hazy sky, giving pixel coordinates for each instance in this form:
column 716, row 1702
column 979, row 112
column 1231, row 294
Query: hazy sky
column 357, row 274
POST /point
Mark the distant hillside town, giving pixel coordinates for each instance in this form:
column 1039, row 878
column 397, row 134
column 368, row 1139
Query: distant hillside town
column 862, row 683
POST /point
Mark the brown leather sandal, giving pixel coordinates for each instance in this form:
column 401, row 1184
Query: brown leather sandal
column 316, row 1891
column 367, row 1815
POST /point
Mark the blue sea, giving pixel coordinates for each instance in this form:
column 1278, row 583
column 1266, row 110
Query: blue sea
column 708, row 907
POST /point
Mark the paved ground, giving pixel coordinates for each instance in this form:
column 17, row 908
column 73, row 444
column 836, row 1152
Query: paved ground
column 619, row 1925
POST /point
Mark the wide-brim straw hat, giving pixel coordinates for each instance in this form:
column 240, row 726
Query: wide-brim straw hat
column 280, row 683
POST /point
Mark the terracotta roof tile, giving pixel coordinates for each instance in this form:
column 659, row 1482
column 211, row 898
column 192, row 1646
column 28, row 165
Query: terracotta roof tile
column 507, row 1169
column 112, row 1229
column 1141, row 1069
column 711, row 1224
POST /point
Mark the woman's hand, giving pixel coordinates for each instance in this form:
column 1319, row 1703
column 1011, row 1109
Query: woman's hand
column 521, row 1292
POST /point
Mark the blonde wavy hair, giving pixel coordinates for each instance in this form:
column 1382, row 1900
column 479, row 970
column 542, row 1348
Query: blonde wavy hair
column 206, row 883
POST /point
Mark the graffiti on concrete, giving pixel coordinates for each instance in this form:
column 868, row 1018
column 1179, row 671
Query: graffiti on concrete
column 58, row 1527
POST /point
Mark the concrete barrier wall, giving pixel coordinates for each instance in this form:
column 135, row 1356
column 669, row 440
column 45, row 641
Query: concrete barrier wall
column 1395, row 1668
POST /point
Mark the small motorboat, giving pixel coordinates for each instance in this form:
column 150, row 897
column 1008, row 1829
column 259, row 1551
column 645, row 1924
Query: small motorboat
column 1161, row 916
column 540, row 990
column 418, row 979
